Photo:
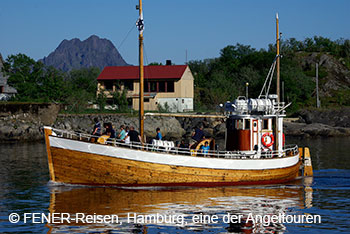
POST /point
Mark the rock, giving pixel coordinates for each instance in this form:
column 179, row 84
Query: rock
column 170, row 127
column 314, row 130
column 336, row 74
column 332, row 117
column 220, row 130
column 208, row 132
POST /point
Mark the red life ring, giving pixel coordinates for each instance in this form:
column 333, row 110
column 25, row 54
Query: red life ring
column 263, row 141
column 284, row 139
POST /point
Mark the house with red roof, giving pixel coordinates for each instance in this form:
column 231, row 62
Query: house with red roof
column 169, row 85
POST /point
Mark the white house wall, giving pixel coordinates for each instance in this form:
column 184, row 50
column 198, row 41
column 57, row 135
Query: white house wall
column 176, row 104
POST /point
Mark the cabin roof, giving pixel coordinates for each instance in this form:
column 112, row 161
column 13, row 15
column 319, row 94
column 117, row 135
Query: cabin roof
column 150, row 72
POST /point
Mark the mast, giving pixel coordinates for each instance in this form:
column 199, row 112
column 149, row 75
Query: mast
column 278, row 59
column 140, row 26
column 278, row 130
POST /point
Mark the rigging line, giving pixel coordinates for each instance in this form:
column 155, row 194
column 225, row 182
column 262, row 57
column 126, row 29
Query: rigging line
column 268, row 89
column 268, row 76
column 127, row 35
column 144, row 49
column 146, row 58
column 266, row 79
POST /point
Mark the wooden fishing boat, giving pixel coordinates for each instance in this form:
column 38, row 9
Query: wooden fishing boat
column 255, row 149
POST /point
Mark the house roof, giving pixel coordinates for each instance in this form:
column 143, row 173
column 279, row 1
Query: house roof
column 151, row 72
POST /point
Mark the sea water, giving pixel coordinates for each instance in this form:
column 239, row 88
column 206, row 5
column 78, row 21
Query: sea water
column 29, row 203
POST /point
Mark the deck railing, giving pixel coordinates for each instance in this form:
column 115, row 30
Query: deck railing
column 288, row 150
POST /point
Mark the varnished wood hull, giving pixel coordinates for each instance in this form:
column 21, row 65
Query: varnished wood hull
column 90, row 169
column 112, row 166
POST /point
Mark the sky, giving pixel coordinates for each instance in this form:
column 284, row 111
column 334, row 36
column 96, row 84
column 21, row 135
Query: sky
column 200, row 27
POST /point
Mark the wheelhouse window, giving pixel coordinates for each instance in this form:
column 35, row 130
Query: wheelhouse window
column 247, row 124
column 239, row 124
column 265, row 124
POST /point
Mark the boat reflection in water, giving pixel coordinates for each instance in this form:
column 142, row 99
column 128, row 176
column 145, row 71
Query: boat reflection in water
column 185, row 203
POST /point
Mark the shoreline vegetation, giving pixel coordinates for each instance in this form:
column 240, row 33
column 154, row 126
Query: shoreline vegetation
column 216, row 80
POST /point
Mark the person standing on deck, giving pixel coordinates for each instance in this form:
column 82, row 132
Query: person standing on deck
column 127, row 138
column 159, row 134
column 109, row 130
column 122, row 133
column 197, row 135
column 205, row 149
column 97, row 127
column 134, row 135
column 96, row 132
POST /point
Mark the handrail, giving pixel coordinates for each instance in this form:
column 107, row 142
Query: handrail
column 293, row 149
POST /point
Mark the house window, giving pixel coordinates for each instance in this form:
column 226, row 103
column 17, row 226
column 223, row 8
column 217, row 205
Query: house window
column 146, row 100
column 153, row 86
column 1, row 89
column 108, row 85
column 162, row 86
column 170, row 86
column 129, row 85
column 159, row 86
column 129, row 100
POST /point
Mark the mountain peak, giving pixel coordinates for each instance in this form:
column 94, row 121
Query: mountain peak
column 92, row 52
column 93, row 37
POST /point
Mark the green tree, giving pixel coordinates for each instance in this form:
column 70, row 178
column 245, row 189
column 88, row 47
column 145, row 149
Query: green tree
column 119, row 98
column 33, row 81
column 101, row 100
column 84, row 78
column 155, row 64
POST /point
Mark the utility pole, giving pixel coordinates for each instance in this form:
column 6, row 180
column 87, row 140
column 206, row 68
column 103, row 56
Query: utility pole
column 318, row 104
column 246, row 89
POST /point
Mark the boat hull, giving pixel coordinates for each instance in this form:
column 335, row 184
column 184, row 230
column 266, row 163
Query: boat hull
column 75, row 167
column 76, row 162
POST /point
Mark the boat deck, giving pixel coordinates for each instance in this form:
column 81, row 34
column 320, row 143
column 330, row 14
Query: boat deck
column 167, row 148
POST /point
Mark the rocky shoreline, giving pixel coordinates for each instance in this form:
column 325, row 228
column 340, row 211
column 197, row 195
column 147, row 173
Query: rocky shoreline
column 25, row 122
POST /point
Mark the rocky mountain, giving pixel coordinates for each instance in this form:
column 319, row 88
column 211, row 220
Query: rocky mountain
column 92, row 52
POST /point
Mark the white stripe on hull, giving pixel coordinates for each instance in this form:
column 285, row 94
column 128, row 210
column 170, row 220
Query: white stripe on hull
column 170, row 159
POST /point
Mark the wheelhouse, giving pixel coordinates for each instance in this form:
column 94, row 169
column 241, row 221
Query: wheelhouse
column 254, row 125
